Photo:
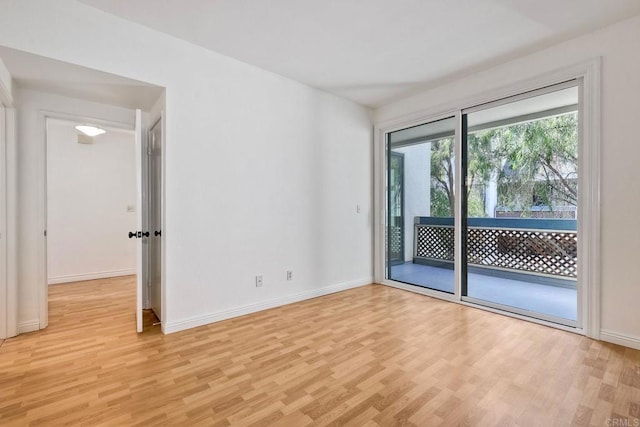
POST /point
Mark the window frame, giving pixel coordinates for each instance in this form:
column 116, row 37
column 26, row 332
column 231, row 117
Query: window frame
column 587, row 74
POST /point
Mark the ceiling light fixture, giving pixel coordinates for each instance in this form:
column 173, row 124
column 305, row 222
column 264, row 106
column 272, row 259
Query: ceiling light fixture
column 90, row 130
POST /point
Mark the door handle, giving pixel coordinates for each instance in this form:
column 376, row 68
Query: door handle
column 138, row 234
column 157, row 233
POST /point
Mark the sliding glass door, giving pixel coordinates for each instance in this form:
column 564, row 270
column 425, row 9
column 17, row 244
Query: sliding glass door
column 421, row 208
column 520, row 161
column 518, row 226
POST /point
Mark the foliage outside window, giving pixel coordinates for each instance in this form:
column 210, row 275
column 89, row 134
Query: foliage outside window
column 533, row 165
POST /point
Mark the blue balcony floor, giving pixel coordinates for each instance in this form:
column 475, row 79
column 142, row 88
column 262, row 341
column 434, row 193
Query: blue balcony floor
column 538, row 298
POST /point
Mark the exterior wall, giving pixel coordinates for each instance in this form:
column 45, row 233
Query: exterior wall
column 417, row 189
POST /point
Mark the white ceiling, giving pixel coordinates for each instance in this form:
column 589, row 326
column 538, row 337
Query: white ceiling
column 372, row 51
column 39, row 73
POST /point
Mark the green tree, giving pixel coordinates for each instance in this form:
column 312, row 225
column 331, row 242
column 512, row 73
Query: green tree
column 482, row 163
column 442, row 177
column 542, row 161
column 440, row 204
column 534, row 163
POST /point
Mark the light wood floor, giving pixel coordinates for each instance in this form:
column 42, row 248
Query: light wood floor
column 368, row 356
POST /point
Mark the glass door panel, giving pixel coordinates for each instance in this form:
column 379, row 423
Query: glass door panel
column 421, row 205
column 521, row 204
column 396, row 210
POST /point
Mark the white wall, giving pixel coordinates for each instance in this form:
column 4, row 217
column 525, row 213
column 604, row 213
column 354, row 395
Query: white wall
column 263, row 174
column 89, row 188
column 417, row 189
column 617, row 44
column 31, row 107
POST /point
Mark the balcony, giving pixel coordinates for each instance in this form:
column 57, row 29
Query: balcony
column 528, row 264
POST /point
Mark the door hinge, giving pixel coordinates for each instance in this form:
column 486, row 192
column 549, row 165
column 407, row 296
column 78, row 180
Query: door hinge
column 45, row 233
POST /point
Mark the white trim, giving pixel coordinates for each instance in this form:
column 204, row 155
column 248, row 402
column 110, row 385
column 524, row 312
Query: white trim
column 620, row 339
column 8, row 228
column 379, row 197
column 196, row 321
column 589, row 210
column 163, row 245
column 140, row 161
column 589, row 222
column 91, row 276
column 109, row 124
column 43, row 290
column 3, row 223
column 28, row 326
column 12, row 225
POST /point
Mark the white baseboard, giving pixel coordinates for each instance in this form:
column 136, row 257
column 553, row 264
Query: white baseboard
column 193, row 322
column 620, row 339
column 90, row 276
column 28, row 326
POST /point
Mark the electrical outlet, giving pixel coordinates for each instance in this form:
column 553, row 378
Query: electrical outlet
column 289, row 274
column 358, row 209
column 258, row 281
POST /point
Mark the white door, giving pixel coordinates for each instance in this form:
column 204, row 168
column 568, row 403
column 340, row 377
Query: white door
column 139, row 212
column 155, row 218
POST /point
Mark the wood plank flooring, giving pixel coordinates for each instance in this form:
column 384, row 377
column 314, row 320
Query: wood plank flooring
column 365, row 357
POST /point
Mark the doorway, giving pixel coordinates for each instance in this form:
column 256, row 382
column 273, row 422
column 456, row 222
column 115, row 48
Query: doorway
column 103, row 197
column 91, row 201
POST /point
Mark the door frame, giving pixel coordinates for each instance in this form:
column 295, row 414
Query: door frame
column 43, row 116
column 8, row 217
column 590, row 171
column 159, row 121
column 464, row 230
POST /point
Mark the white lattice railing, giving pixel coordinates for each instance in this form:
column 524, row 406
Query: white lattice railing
column 538, row 246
